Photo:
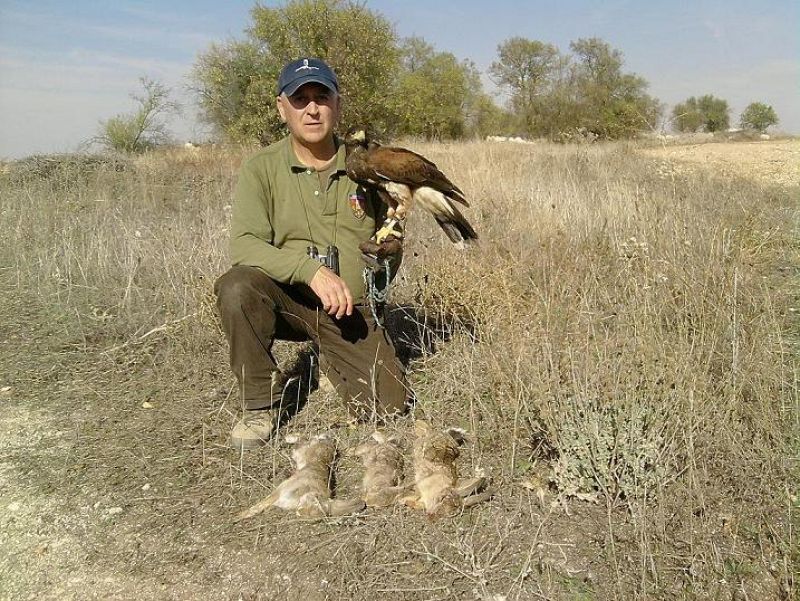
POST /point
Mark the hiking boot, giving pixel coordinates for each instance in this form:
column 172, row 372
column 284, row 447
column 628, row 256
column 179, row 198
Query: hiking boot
column 254, row 429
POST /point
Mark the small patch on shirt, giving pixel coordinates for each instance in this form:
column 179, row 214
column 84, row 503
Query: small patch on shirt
column 358, row 204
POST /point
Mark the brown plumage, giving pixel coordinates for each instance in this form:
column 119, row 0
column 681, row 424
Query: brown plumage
column 402, row 178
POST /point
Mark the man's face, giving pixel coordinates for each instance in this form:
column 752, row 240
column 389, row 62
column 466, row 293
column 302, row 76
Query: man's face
column 310, row 113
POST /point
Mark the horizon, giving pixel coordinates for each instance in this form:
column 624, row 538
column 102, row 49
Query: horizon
column 66, row 68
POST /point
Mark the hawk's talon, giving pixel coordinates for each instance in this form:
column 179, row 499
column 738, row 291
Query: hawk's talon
column 392, row 229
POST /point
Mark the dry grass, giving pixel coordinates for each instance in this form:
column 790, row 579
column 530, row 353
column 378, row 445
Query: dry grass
column 619, row 343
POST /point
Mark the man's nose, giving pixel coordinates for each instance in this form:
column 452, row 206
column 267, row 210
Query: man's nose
column 312, row 106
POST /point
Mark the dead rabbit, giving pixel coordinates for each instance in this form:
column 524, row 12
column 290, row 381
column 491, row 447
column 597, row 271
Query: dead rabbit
column 307, row 491
column 439, row 491
column 382, row 457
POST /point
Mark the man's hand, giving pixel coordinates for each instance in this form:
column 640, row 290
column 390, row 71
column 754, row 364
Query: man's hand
column 336, row 298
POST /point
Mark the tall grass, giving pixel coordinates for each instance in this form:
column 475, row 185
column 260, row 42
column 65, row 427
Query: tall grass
column 634, row 316
column 621, row 328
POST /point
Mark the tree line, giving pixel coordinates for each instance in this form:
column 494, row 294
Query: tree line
column 406, row 87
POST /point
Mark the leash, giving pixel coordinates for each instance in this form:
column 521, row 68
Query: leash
column 377, row 283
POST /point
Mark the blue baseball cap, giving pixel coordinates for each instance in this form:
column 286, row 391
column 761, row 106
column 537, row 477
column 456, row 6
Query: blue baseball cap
column 303, row 71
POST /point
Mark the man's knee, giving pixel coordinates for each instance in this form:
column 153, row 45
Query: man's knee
column 241, row 286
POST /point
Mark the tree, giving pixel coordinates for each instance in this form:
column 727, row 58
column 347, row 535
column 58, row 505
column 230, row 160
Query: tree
column 143, row 129
column 525, row 68
column 482, row 116
column 485, row 118
column 715, row 112
column 708, row 112
column 758, row 116
column 612, row 104
column 554, row 95
column 686, row 116
column 236, row 81
column 234, row 91
column 434, row 92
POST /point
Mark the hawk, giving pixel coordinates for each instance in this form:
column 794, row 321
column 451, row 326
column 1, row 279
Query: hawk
column 403, row 178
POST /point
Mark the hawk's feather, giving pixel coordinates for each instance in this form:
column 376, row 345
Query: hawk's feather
column 403, row 177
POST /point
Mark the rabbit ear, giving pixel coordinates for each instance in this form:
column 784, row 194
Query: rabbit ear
column 458, row 434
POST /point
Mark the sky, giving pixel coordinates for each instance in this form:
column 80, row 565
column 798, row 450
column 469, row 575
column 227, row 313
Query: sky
column 65, row 66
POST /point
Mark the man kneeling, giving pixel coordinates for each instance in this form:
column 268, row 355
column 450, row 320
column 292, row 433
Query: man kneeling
column 293, row 195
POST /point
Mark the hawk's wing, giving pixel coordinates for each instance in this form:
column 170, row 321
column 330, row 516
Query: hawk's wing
column 406, row 167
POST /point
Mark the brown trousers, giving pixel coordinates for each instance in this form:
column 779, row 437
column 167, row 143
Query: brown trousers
column 360, row 359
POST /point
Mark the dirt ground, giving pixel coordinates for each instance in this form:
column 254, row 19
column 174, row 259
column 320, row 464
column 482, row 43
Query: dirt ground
column 89, row 513
column 768, row 162
column 117, row 484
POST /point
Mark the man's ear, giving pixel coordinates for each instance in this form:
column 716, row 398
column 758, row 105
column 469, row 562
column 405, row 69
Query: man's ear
column 279, row 105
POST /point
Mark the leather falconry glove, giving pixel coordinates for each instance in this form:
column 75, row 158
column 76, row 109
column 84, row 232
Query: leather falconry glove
column 391, row 247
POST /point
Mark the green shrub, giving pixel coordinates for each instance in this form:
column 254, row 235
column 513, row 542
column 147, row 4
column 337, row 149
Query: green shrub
column 758, row 116
column 143, row 129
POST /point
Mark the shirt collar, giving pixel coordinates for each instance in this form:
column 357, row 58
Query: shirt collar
column 295, row 165
column 340, row 156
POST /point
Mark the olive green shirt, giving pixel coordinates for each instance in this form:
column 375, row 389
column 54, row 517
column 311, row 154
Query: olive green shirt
column 281, row 208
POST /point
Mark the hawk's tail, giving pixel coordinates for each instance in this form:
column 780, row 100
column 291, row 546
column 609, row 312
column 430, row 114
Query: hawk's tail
column 446, row 214
column 456, row 227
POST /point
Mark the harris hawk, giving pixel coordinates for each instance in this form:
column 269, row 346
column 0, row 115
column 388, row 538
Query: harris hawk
column 403, row 178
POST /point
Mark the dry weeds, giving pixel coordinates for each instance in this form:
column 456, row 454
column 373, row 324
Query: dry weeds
column 621, row 347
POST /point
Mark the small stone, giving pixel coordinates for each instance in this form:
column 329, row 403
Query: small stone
column 147, row 405
column 114, row 510
column 146, row 487
column 5, row 389
column 15, row 506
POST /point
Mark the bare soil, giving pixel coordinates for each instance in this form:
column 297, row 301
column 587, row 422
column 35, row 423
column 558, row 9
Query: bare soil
column 768, row 162
column 116, row 483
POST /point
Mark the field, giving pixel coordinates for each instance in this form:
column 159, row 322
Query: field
column 621, row 349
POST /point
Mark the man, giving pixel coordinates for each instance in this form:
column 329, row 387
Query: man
column 290, row 196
